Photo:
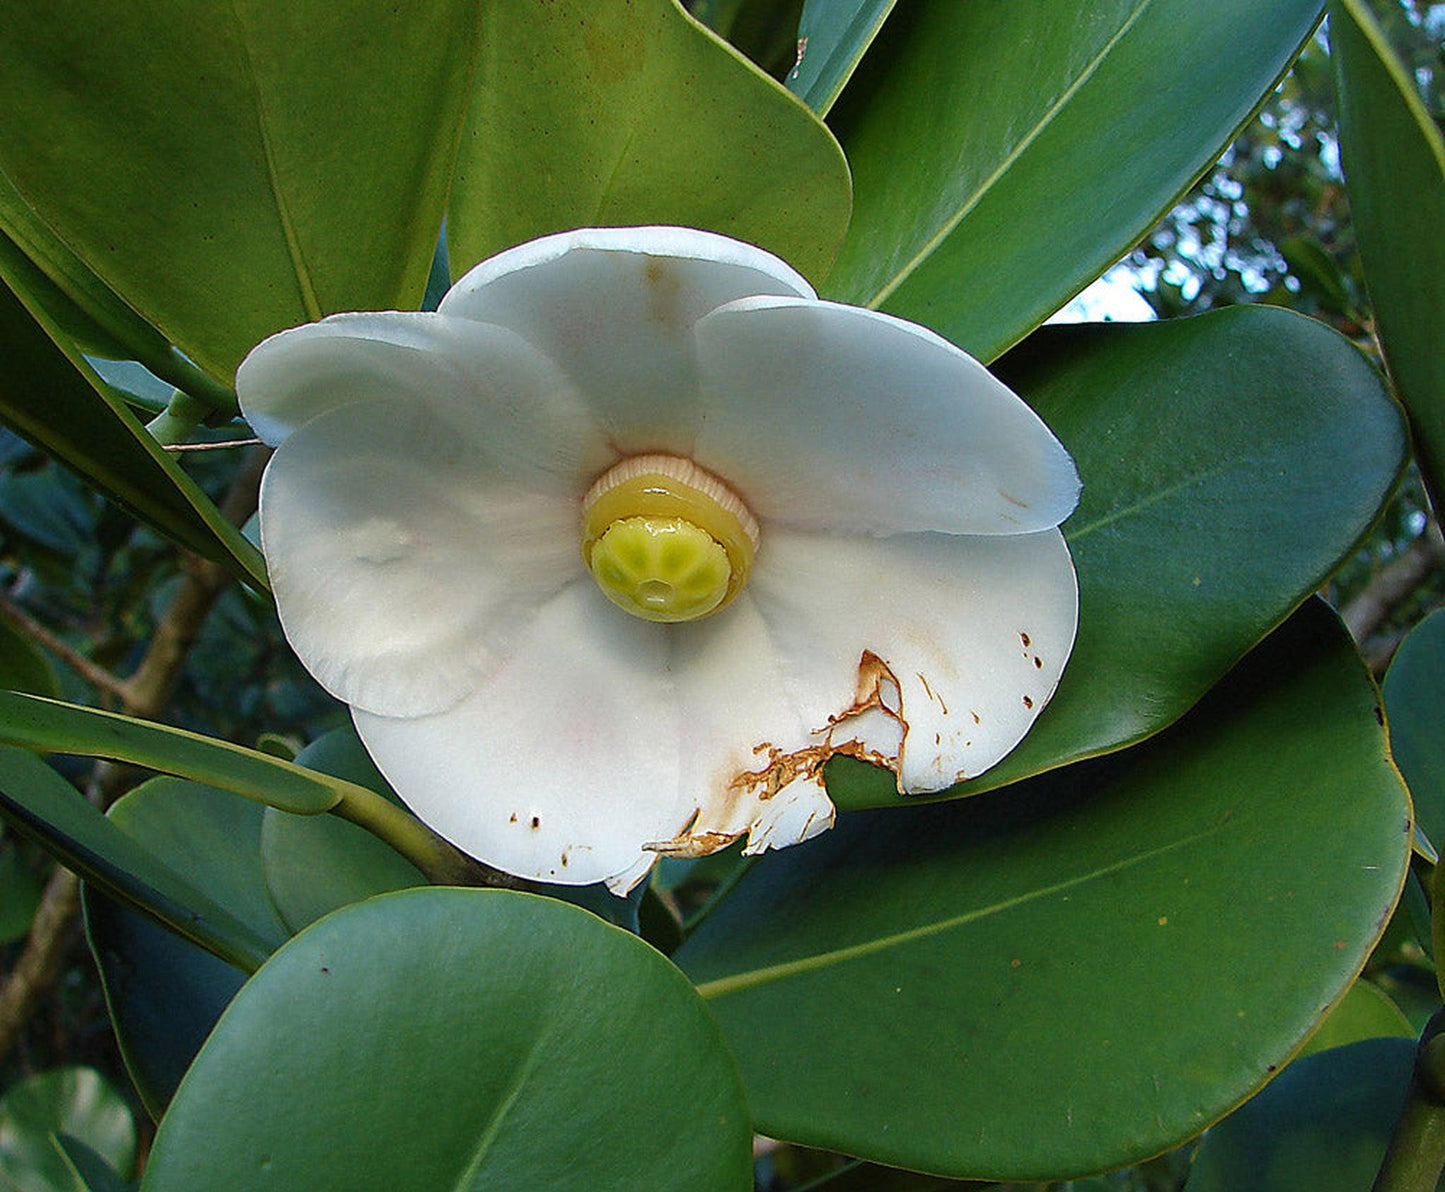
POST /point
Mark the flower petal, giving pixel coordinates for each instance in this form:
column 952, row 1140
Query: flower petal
column 737, row 714
column 831, row 417
column 615, row 307
column 957, row 641
column 487, row 378
column 403, row 557
column 563, row 763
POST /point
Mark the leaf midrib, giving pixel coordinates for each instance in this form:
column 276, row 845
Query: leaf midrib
column 740, row 982
column 931, row 245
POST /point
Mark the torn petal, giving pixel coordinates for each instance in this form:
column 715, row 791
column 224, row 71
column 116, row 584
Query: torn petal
column 798, row 812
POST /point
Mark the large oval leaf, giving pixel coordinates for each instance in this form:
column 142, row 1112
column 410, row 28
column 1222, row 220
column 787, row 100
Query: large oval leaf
column 1005, row 152
column 1084, row 969
column 632, row 113
column 1394, row 159
column 243, row 167
column 1229, row 463
column 506, row 1042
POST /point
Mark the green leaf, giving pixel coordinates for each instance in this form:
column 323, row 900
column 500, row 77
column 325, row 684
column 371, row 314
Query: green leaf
column 594, row 114
column 51, row 726
column 55, row 399
column 88, row 1167
column 315, row 864
column 22, row 666
column 164, row 993
column 1004, row 154
column 507, row 1041
column 1415, row 701
column 1365, row 1012
column 76, row 1101
column 20, row 893
column 1394, row 160
column 1085, row 969
column 1321, row 1127
column 41, row 803
column 832, row 39
column 247, row 168
column 1229, row 462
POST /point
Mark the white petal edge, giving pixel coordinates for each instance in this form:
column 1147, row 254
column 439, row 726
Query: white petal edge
column 831, row 417
column 403, row 561
column 563, row 764
column 615, row 308
column 961, row 638
column 495, row 387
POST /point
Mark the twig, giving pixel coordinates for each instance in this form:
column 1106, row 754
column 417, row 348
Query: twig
column 92, row 672
column 229, row 443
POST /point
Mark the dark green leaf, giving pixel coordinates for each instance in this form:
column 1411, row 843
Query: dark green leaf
column 22, row 666
column 832, row 39
column 1394, row 159
column 1229, row 462
column 92, row 1173
column 636, row 114
column 1321, row 1127
column 76, row 1101
column 20, row 893
column 505, row 1040
column 51, row 726
column 1085, row 969
column 1365, row 1012
column 1005, row 152
column 38, row 800
column 247, row 168
column 55, row 399
column 1415, row 700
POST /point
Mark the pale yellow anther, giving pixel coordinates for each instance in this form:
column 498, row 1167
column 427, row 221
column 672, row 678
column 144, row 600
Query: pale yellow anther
column 666, row 540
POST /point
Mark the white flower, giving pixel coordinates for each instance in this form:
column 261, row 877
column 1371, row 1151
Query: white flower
column 862, row 520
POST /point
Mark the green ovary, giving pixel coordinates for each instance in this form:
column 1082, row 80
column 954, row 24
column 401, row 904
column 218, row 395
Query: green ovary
column 661, row 568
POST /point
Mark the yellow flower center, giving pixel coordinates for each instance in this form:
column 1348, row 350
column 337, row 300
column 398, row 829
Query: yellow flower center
column 665, row 540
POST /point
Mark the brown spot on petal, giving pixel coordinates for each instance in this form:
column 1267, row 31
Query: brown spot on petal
column 690, row 845
column 1038, row 663
column 1028, row 701
column 513, row 820
column 974, row 714
column 536, row 822
column 1024, row 637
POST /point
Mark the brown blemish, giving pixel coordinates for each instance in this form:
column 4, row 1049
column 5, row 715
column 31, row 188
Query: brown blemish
column 664, row 292
column 690, row 845
column 1038, row 663
column 536, row 822
column 1024, row 637
column 514, row 818
column 1013, row 500
column 1028, row 701
column 974, row 714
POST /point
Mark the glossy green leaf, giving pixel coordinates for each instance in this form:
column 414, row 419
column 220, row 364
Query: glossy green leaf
column 36, row 799
column 1415, row 701
column 34, row 262
column 51, row 726
column 506, row 1041
column 55, row 399
column 1323, row 1126
column 1082, row 970
column 833, row 36
column 22, row 666
column 315, row 864
column 1394, row 160
column 636, row 114
column 164, row 993
column 1229, row 462
column 1365, row 1012
column 77, row 1101
column 252, row 166
column 20, row 893
column 1006, row 152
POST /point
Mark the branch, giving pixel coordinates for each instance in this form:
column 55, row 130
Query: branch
column 92, row 672
column 43, row 959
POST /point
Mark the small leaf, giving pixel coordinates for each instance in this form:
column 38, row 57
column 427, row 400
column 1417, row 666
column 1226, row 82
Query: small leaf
column 1005, row 154
column 1394, row 160
column 832, row 39
column 1321, row 1127
column 38, row 800
column 595, row 114
column 1415, row 699
column 75, row 1101
column 22, row 666
column 1178, row 918
column 506, row 1041
column 92, row 1173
